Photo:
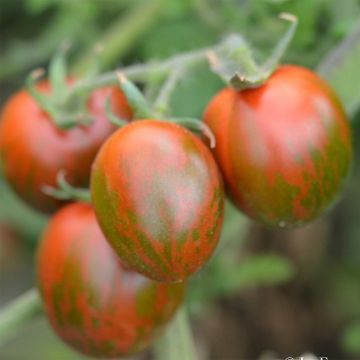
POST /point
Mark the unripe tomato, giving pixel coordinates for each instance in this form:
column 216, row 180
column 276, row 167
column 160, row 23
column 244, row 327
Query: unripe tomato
column 92, row 302
column 284, row 148
column 158, row 196
column 33, row 149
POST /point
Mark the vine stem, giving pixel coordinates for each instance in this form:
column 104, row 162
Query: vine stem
column 177, row 343
column 162, row 102
column 122, row 34
column 140, row 72
column 23, row 309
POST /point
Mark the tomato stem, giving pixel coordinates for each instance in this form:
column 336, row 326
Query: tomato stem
column 177, row 343
column 140, row 72
column 196, row 125
column 21, row 310
column 161, row 104
column 233, row 44
column 65, row 191
column 121, row 35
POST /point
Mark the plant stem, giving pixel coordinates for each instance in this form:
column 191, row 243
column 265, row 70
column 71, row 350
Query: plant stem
column 177, row 342
column 162, row 102
column 18, row 312
column 121, row 35
column 141, row 71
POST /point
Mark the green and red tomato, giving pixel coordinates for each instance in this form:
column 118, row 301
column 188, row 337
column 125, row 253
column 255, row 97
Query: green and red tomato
column 284, row 148
column 158, row 196
column 94, row 303
column 33, row 149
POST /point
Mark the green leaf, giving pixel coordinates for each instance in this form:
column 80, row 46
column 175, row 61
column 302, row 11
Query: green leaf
column 350, row 340
column 341, row 68
column 171, row 37
column 223, row 277
column 38, row 6
column 259, row 270
column 194, row 92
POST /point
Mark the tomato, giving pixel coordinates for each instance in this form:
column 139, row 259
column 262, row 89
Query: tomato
column 93, row 303
column 33, row 149
column 284, row 148
column 158, row 196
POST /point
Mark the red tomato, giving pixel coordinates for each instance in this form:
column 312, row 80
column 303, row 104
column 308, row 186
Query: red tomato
column 93, row 303
column 33, row 149
column 284, row 148
column 158, row 196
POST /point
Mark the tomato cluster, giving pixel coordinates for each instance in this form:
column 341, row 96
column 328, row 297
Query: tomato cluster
column 283, row 151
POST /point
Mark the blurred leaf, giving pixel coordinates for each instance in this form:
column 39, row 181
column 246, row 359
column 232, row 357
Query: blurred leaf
column 344, row 282
column 222, row 277
column 308, row 13
column 12, row 211
column 38, row 341
column 350, row 340
column 341, row 68
column 136, row 22
column 176, row 8
column 21, row 55
column 194, row 92
column 170, row 37
column 37, row 6
column 344, row 16
column 259, row 270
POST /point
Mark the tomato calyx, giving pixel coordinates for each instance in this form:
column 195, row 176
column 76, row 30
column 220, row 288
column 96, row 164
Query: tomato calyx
column 66, row 112
column 65, row 191
column 235, row 63
column 142, row 110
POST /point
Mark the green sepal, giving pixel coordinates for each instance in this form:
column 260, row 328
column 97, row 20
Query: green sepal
column 44, row 101
column 235, row 63
column 65, row 191
column 111, row 116
column 197, row 125
column 58, row 73
column 135, row 98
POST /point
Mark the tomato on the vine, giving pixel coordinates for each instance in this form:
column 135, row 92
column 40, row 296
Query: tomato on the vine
column 158, row 196
column 33, row 149
column 92, row 301
column 284, row 148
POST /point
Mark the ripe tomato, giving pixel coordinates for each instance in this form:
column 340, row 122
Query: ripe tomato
column 158, row 196
column 93, row 303
column 284, row 148
column 33, row 149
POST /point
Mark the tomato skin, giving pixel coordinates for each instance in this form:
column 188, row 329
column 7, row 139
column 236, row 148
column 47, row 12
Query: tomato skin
column 33, row 149
column 92, row 302
column 284, row 148
column 158, row 196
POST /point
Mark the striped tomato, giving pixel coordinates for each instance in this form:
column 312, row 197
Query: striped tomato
column 33, row 149
column 92, row 302
column 284, row 148
column 158, row 196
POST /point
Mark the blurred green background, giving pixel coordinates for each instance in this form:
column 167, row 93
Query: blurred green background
column 266, row 294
